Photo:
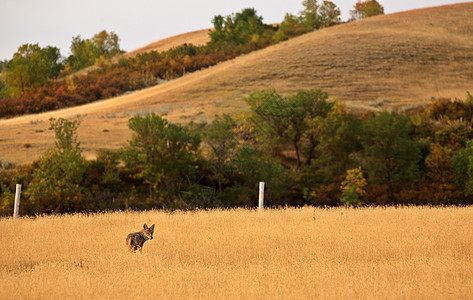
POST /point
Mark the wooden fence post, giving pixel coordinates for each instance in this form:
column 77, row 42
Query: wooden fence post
column 16, row 210
column 261, row 195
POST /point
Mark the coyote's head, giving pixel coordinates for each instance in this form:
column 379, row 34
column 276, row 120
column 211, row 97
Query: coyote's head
column 148, row 231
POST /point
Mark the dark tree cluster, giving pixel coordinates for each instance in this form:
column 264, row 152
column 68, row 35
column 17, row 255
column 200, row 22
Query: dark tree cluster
column 307, row 148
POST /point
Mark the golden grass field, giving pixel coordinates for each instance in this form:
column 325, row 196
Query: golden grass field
column 292, row 253
column 378, row 63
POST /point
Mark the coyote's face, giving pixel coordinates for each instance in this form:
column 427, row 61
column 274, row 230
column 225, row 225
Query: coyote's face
column 148, row 231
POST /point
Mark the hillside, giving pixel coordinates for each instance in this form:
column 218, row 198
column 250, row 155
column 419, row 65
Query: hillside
column 197, row 38
column 399, row 59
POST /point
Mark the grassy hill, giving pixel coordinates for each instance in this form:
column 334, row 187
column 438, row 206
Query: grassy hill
column 197, row 38
column 383, row 62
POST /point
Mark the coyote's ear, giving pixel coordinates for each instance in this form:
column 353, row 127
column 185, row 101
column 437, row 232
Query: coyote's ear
column 145, row 226
column 152, row 227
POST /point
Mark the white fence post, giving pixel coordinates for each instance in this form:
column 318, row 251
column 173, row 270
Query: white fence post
column 261, row 195
column 16, row 210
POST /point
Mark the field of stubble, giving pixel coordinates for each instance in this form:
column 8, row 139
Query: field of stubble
column 305, row 253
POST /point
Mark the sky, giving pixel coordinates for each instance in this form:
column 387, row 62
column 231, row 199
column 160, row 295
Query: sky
column 140, row 22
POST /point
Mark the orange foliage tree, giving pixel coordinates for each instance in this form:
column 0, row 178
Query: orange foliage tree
column 365, row 9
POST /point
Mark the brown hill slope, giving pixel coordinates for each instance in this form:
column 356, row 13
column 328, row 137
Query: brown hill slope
column 399, row 59
column 197, row 38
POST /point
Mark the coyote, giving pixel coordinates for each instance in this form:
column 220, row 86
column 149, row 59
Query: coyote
column 135, row 241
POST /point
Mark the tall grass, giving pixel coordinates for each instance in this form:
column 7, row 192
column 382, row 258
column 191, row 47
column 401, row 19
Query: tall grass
column 415, row 252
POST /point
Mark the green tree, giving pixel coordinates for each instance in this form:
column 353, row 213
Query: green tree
column 221, row 141
column 290, row 27
column 329, row 14
column 390, row 153
column 3, row 63
column 338, row 136
column 284, row 122
column 3, row 85
column 242, row 28
column 310, row 14
column 56, row 184
column 66, row 134
column 269, row 116
column 252, row 166
column 3, row 89
column 366, row 9
column 164, row 154
column 107, row 43
column 31, row 67
column 314, row 16
column 463, row 168
column 305, row 107
column 53, row 60
column 84, row 53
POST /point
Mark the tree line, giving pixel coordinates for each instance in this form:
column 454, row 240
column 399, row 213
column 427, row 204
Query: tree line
column 307, row 148
column 40, row 79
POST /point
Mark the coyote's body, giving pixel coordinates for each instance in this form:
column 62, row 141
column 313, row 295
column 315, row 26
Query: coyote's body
column 135, row 241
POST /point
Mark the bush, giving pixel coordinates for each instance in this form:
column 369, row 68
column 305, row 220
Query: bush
column 353, row 188
column 164, row 156
column 56, row 184
column 252, row 166
column 390, row 153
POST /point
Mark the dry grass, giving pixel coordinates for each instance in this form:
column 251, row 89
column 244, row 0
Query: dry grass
column 370, row 253
column 399, row 59
column 196, row 38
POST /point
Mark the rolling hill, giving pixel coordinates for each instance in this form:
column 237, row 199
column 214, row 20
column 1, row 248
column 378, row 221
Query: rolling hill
column 197, row 38
column 379, row 63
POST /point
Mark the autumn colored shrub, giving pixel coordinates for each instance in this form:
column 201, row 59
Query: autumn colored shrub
column 353, row 188
column 451, row 110
column 112, row 80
